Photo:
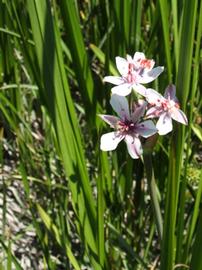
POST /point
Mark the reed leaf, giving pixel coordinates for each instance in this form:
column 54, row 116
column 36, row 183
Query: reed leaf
column 56, row 91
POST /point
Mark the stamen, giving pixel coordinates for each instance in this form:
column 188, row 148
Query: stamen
column 177, row 105
column 146, row 63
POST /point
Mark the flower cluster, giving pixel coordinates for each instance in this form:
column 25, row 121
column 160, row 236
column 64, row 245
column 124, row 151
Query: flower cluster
column 130, row 126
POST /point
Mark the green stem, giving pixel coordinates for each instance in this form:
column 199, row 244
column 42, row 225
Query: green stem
column 152, row 190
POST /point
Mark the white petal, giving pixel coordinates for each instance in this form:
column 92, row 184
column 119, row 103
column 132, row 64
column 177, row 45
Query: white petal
column 146, row 129
column 122, row 65
column 179, row 116
column 134, row 146
column 138, row 56
column 153, row 97
column 150, row 76
column 109, row 141
column 164, row 124
column 129, row 58
column 153, row 112
column 170, row 93
column 114, row 80
column 138, row 111
column 109, row 119
column 122, row 89
column 120, row 106
column 140, row 89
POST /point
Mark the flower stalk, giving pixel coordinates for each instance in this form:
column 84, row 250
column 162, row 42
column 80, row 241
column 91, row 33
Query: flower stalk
column 147, row 157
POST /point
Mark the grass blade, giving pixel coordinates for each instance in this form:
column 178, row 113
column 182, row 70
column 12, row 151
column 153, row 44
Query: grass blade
column 62, row 113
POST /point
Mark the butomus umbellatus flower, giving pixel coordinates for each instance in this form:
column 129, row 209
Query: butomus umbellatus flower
column 128, row 126
column 166, row 108
column 134, row 72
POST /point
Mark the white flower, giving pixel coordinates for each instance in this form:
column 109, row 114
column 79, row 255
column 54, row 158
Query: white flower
column 127, row 127
column 166, row 108
column 134, row 72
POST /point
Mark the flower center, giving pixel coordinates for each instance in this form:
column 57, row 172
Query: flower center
column 125, row 126
column 131, row 76
column 137, row 69
column 168, row 105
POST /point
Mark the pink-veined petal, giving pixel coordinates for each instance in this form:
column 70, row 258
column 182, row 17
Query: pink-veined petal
column 150, row 76
column 134, row 146
column 138, row 56
column 140, row 89
column 153, row 97
column 153, row 112
column 146, row 129
column 109, row 141
column 113, row 79
column 122, row 65
column 170, row 93
column 109, row 119
column 164, row 124
column 138, row 110
column 179, row 116
column 122, row 89
column 120, row 106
